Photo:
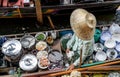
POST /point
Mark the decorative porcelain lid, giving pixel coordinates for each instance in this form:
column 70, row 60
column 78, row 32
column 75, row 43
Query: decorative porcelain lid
column 11, row 47
column 28, row 62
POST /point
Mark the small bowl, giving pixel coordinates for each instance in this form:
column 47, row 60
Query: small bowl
column 105, row 36
column 110, row 43
column 112, row 54
column 43, row 67
column 41, row 45
column 98, row 46
column 117, row 47
column 41, row 54
column 101, row 56
column 40, row 36
column 116, row 37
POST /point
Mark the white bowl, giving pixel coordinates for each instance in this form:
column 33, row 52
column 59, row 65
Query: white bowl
column 110, row 43
column 110, row 55
column 41, row 54
column 41, row 45
column 98, row 46
column 40, row 33
column 116, row 37
column 101, row 56
column 39, row 65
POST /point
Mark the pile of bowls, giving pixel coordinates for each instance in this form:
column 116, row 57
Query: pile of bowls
column 43, row 61
column 109, row 46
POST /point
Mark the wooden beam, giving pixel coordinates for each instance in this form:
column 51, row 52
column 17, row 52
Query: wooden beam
column 18, row 9
column 88, row 68
column 39, row 11
column 50, row 21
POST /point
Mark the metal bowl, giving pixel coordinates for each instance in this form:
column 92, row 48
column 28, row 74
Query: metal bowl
column 11, row 48
column 28, row 62
column 27, row 41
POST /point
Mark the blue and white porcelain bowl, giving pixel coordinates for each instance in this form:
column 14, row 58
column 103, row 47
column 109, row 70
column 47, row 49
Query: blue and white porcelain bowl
column 100, row 56
column 116, row 37
column 105, row 36
column 98, row 46
column 111, row 54
column 114, row 74
column 110, row 43
column 117, row 47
